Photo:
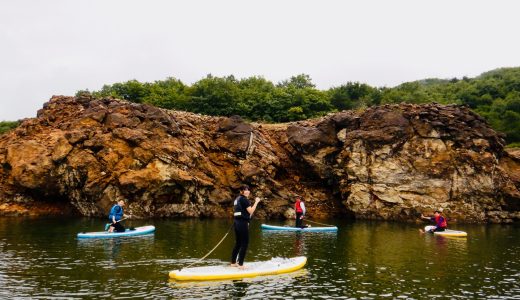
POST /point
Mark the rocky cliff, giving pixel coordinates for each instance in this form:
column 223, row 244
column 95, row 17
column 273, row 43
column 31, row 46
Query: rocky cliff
column 79, row 155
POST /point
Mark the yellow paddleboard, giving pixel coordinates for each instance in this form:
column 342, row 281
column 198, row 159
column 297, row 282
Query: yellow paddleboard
column 449, row 232
column 270, row 267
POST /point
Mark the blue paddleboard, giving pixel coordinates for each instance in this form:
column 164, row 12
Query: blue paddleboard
column 105, row 234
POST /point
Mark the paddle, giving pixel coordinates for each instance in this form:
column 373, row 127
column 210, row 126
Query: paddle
column 327, row 225
column 107, row 225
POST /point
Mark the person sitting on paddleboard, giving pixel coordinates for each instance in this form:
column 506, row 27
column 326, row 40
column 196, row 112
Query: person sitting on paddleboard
column 116, row 214
column 440, row 221
column 243, row 210
column 299, row 207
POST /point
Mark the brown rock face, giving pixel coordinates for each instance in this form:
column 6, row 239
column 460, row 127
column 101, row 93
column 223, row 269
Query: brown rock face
column 389, row 162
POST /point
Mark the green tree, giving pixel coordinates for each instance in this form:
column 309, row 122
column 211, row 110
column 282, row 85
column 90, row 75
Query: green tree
column 169, row 93
column 351, row 95
column 131, row 90
column 255, row 98
column 214, row 96
column 300, row 81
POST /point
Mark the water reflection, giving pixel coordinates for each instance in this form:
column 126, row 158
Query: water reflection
column 112, row 246
column 299, row 245
column 262, row 285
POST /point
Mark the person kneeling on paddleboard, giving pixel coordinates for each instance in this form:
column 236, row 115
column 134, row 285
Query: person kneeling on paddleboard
column 299, row 207
column 115, row 216
column 243, row 210
column 440, row 221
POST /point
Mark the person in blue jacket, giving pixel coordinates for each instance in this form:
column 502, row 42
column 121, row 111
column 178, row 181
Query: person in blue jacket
column 115, row 216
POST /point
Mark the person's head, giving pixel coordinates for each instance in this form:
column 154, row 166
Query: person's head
column 244, row 190
column 298, row 198
column 438, row 212
column 121, row 202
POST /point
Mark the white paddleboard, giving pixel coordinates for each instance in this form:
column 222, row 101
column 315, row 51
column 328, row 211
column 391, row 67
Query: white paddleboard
column 447, row 232
column 274, row 266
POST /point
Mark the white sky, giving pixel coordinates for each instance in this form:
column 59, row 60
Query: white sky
column 56, row 47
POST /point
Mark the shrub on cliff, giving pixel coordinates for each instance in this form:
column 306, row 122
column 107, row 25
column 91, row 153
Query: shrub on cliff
column 5, row 126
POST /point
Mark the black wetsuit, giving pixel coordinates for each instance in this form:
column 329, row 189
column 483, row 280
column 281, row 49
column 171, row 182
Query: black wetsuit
column 241, row 226
column 118, row 227
column 299, row 223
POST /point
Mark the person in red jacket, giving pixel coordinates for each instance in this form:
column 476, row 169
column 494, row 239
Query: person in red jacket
column 439, row 219
column 299, row 208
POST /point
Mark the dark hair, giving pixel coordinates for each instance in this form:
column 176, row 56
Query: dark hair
column 438, row 211
column 245, row 187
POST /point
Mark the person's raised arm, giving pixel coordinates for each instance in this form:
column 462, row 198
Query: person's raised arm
column 425, row 218
column 251, row 209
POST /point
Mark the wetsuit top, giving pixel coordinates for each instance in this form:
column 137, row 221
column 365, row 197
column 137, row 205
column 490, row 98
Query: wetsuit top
column 299, row 207
column 240, row 206
column 117, row 212
column 440, row 222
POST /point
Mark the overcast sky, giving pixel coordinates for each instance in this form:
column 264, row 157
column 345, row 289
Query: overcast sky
column 58, row 47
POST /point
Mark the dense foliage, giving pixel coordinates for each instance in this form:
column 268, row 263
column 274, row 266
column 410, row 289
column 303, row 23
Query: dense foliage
column 7, row 125
column 495, row 95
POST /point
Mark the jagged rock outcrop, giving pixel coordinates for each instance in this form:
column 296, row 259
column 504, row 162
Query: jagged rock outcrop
column 390, row 162
column 397, row 161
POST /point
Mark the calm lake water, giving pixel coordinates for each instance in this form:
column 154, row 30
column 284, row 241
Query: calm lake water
column 41, row 258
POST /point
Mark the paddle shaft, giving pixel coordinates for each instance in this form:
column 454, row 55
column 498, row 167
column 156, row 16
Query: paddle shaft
column 108, row 224
column 120, row 220
column 319, row 223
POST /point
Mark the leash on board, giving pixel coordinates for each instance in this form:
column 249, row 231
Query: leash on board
column 305, row 220
column 218, row 244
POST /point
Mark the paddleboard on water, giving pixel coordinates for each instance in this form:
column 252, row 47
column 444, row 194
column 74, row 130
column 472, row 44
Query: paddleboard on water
column 274, row 266
column 288, row 228
column 447, row 232
column 105, row 234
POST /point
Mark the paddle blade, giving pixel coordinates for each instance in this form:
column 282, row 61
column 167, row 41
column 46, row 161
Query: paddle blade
column 107, row 225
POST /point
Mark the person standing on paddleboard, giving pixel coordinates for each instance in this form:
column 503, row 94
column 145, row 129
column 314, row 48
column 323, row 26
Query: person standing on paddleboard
column 299, row 208
column 242, row 211
column 115, row 215
column 439, row 219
